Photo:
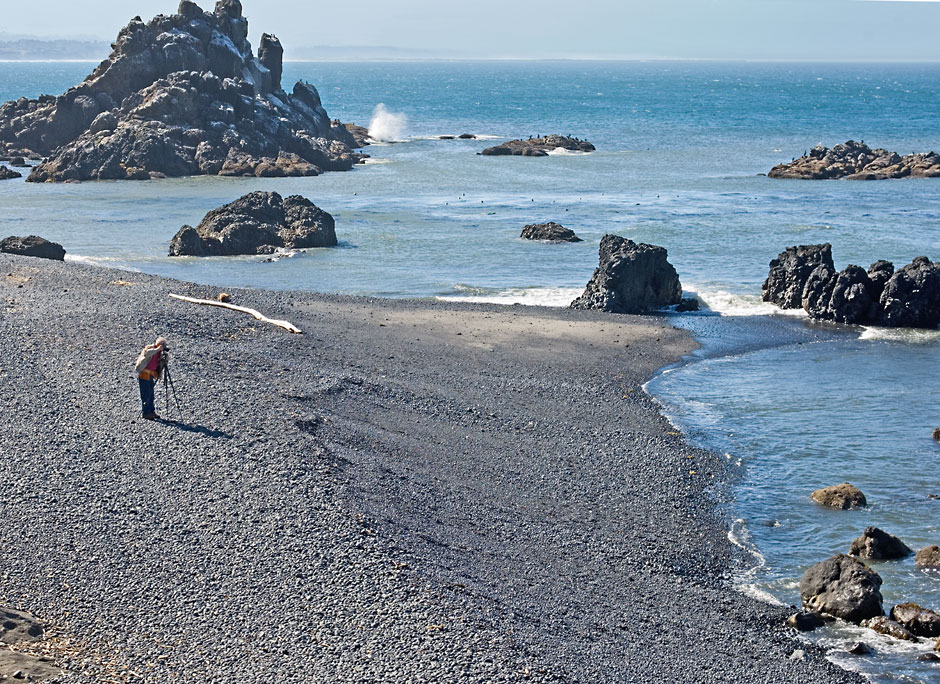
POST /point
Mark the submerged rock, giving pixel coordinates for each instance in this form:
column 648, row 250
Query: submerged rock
column 258, row 223
column 858, row 648
column 33, row 246
column 688, row 304
column 888, row 627
column 917, row 620
column 928, row 558
column 841, row 496
column 631, row 278
column 805, row 621
column 790, row 271
column 6, row 173
column 180, row 95
column 876, row 544
column 549, row 232
column 857, row 161
column 843, row 587
column 538, row 147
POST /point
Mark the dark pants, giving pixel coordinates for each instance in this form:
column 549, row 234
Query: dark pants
column 146, row 395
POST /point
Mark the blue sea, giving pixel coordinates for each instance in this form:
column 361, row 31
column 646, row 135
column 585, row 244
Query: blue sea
column 681, row 152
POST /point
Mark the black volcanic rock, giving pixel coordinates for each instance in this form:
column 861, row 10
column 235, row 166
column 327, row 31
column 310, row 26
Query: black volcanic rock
column 538, row 147
column 857, row 161
column 33, row 246
column 549, row 232
column 6, row 173
column 180, row 95
column 911, row 297
column 876, row 544
column 842, row 587
column 790, row 271
column 257, row 223
column 805, row 276
column 630, row 278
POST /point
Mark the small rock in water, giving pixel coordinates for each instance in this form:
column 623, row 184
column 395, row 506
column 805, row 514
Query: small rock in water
column 917, row 620
column 876, row 544
column 688, row 304
column 889, row 627
column 929, row 658
column 936, row 434
column 928, row 558
column 805, row 621
column 858, row 648
column 842, row 496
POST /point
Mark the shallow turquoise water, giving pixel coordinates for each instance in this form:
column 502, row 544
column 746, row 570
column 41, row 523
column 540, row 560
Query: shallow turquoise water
column 681, row 147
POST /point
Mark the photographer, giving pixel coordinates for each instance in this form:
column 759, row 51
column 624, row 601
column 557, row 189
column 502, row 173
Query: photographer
column 150, row 366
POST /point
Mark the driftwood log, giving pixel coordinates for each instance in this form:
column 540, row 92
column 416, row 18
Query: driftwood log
column 290, row 327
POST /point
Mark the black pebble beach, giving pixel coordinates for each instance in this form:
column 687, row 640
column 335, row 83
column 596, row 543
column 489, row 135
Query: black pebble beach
column 410, row 491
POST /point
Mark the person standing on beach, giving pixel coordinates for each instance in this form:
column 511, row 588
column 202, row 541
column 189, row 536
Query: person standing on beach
column 150, row 365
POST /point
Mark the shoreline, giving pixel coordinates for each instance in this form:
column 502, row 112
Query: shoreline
column 410, row 489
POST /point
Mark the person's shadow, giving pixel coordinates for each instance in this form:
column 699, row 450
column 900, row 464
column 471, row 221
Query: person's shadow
column 185, row 427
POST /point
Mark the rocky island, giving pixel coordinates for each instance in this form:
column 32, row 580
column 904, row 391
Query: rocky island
column 258, row 223
column 180, row 95
column 549, row 232
column 857, row 161
column 6, row 173
column 804, row 276
column 538, row 147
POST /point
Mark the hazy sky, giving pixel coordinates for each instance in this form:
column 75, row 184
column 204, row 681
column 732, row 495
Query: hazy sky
column 873, row 30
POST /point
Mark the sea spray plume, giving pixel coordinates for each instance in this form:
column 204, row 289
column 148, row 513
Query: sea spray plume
column 387, row 126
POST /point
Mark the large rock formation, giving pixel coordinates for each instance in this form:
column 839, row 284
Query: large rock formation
column 258, row 223
column 790, row 271
column 549, row 232
column 180, row 95
column 538, row 147
column 842, row 587
column 857, row 161
column 842, row 496
column 33, row 246
column 805, row 277
column 876, row 544
column 631, row 278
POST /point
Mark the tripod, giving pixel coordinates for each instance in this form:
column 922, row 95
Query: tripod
column 168, row 387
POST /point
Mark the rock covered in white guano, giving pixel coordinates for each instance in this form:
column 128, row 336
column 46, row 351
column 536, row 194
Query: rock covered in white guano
column 857, row 161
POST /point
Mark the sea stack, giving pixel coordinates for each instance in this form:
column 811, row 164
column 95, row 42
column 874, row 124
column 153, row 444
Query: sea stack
column 179, row 95
column 630, row 278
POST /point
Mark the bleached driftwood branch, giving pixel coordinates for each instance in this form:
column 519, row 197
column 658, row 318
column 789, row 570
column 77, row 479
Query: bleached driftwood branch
column 290, row 327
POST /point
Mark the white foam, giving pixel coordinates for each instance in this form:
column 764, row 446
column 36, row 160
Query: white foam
column 529, row 296
column 561, row 151
column 908, row 335
column 387, row 126
column 735, row 304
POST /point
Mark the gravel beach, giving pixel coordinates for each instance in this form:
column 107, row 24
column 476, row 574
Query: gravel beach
column 410, row 491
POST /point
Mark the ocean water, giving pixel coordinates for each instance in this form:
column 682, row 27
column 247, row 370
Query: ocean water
column 681, row 152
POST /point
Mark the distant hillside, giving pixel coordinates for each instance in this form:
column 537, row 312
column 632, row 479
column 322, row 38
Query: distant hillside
column 25, row 49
